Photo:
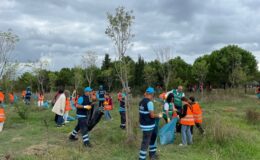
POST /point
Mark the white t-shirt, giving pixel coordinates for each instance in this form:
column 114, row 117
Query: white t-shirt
column 166, row 106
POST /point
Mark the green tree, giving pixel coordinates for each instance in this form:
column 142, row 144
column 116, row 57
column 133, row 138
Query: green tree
column 52, row 80
column 119, row 30
column 106, row 62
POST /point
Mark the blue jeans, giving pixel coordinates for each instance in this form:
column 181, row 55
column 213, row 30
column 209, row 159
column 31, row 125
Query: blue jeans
column 186, row 135
column 59, row 119
column 107, row 115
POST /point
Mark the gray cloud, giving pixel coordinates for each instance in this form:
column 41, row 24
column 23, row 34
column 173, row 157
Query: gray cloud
column 63, row 30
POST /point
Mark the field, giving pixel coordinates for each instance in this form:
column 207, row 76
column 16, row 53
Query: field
column 230, row 135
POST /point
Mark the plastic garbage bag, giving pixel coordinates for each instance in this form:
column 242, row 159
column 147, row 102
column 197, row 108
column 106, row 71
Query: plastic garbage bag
column 95, row 116
column 70, row 118
column 45, row 104
column 166, row 133
column 72, row 105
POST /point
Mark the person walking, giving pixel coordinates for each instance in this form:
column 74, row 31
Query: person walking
column 59, row 108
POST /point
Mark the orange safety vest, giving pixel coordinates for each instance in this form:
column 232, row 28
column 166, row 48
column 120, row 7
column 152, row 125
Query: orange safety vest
column 188, row 120
column 23, row 93
column 41, row 98
column 2, row 97
column 67, row 105
column 2, row 115
column 163, row 96
column 197, row 112
column 11, row 98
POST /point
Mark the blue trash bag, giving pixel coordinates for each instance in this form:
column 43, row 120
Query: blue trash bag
column 166, row 133
column 45, row 104
column 70, row 118
column 16, row 98
column 72, row 105
column 258, row 95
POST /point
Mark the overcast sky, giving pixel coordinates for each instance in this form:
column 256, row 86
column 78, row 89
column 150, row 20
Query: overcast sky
column 62, row 30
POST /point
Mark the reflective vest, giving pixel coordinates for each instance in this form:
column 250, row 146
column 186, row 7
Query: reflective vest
column 23, row 93
column 11, row 98
column 163, row 96
column 177, row 98
column 170, row 111
column 146, row 122
column 41, row 97
column 197, row 112
column 2, row 97
column 2, row 115
column 67, row 105
column 188, row 120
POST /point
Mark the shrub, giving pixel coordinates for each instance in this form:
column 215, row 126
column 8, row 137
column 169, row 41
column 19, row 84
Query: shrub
column 22, row 110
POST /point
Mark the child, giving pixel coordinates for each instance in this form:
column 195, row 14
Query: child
column 11, row 97
column 108, row 105
column 197, row 114
column 40, row 99
column 122, row 110
column 186, row 122
column 147, row 124
column 67, row 107
column 2, row 117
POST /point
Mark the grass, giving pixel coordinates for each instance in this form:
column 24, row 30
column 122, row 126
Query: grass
column 229, row 135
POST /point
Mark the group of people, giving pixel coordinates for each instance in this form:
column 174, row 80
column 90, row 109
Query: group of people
column 176, row 105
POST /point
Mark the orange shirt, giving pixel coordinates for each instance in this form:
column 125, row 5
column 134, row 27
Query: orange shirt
column 11, row 98
column 67, row 105
column 2, row 97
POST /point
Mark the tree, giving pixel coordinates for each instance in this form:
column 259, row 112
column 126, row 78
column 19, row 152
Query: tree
column 200, row 71
column 108, row 77
column 89, row 63
column 139, row 72
column 78, row 77
column 8, row 41
column 52, row 80
column 119, row 30
column 164, row 54
column 149, row 75
column 106, row 62
column 39, row 68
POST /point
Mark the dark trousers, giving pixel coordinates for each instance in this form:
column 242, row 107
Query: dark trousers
column 83, row 127
column 123, row 119
column 59, row 119
column 198, row 125
column 149, row 140
column 101, row 105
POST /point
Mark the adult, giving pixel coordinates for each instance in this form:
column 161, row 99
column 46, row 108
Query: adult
column 168, row 108
column 59, row 108
column 178, row 94
column 101, row 97
column 83, row 109
column 147, row 124
column 28, row 94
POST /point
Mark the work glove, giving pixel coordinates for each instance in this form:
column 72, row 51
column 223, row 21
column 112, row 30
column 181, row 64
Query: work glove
column 88, row 107
column 160, row 115
column 168, row 120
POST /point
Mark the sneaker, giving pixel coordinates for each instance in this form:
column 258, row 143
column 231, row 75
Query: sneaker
column 89, row 145
column 182, row 145
column 72, row 138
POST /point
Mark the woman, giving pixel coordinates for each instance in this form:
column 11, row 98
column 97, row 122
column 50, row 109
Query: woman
column 169, row 108
column 108, row 102
column 59, row 108
column 67, row 106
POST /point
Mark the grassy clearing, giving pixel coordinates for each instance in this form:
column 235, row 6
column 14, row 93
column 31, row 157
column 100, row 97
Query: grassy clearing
column 229, row 135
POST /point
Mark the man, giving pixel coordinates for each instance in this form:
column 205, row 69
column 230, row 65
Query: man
column 28, row 95
column 83, row 107
column 178, row 94
column 147, row 124
column 101, row 97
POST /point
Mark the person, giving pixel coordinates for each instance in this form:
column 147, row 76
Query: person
column 197, row 114
column 186, row 121
column 40, row 99
column 122, row 110
column 59, row 108
column 28, row 95
column 83, row 107
column 169, row 110
column 101, row 97
column 108, row 105
column 178, row 94
column 11, row 97
column 67, row 106
column 258, row 92
column 2, row 96
column 23, row 95
column 147, row 125
column 2, row 117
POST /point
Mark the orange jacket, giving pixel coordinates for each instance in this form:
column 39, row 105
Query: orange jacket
column 23, row 93
column 67, row 105
column 11, row 98
column 2, row 115
column 197, row 112
column 188, row 120
column 2, row 97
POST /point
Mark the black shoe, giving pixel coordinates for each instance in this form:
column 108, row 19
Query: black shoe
column 89, row 145
column 73, row 138
column 154, row 157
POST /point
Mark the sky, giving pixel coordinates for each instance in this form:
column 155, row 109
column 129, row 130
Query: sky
column 61, row 31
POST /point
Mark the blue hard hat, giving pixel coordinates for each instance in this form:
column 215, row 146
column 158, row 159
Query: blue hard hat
column 88, row 89
column 150, row 90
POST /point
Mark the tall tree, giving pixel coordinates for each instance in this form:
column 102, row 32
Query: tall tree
column 139, row 72
column 8, row 41
column 119, row 29
column 89, row 60
column 106, row 62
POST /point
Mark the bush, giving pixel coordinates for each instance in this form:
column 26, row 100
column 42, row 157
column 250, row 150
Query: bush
column 252, row 116
column 22, row 110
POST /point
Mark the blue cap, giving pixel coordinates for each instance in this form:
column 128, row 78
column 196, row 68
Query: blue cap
column 87, row 89
column 150, row 90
